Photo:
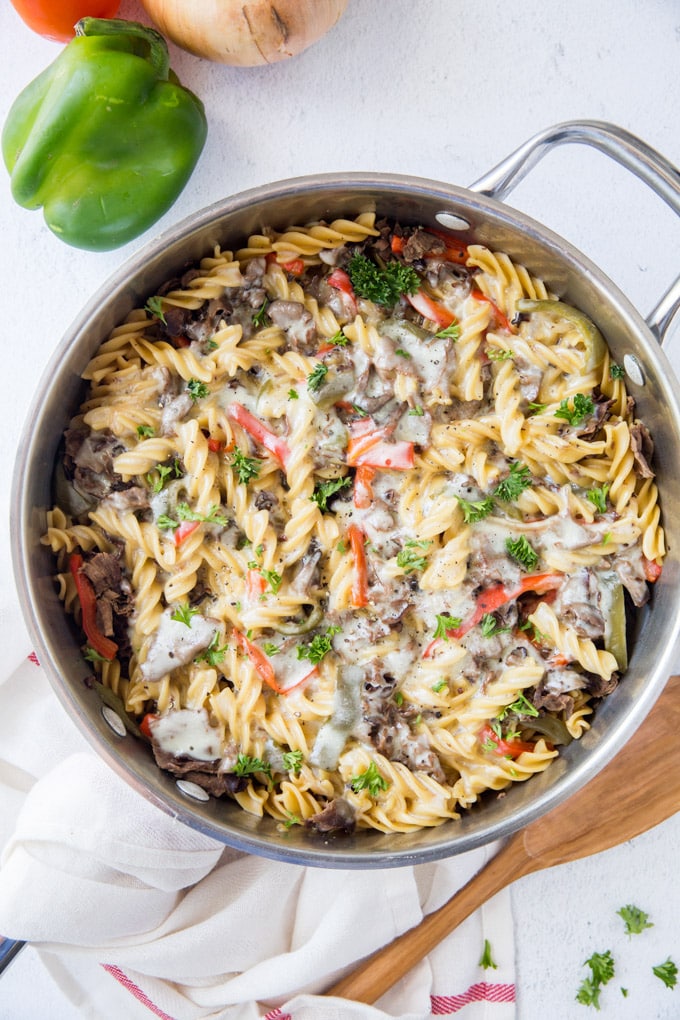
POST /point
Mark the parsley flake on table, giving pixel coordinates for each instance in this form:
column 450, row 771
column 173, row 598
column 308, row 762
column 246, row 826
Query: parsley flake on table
column 383, row 286
column 667, row 972
column 370, row 780
column 487, row 960
column 635, row 920
column 601, row 971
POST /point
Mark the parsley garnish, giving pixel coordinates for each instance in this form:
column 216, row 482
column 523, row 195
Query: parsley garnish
column 499, row 353
column 636, row 920
column 292, row 820
column 514, row 485
column 521, row 706
column 270, row 648
column 439, row 685
column 197, row 389
column 402, row 353
column 338, row 339
column 616, row 371
column 323, row 492
column 521, row 550
column 451, row 332
column 445, row 624
column 409, row 559
column 293, row 394
column 145, row 431
column 183, row 614
column 602, row 970
column 316, row 377
column 319, row 646
column 475, row 511
column 667, row 972
column 598, row 497
column 158, row 478
column 273, row 578
column 487, row 960
column 260, row 318
column 384, row 286
column 154, row 307
column 292, row 760
column 92, row 655
column 214, row 653
column 360, row 411
column 246, row 467
column 370, row 780
column 490, row 626
column 581, row 408
column 417, row 411
column 248, row 766
column 213, row 516
column 536, row 407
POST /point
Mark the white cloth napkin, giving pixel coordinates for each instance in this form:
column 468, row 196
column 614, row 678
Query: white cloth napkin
column 136, row 915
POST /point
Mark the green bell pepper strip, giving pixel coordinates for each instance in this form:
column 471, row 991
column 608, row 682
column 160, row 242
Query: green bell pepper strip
column 106, row 138
column 592, row 338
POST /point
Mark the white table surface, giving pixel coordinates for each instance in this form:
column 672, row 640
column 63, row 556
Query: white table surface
column 440, row 89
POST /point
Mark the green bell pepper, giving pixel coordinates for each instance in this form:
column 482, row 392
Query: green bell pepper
column 106, row 138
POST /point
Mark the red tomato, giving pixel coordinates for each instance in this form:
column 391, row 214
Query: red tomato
column 57, row 20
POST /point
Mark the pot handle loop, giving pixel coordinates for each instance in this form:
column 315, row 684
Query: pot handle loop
column 622, row 146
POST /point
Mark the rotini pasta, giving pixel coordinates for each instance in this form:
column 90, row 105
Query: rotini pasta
column 349, row 525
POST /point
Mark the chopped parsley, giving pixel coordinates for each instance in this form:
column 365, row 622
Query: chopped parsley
column 154, row 307
column 338, row 339
column 293, row 394
column 616, row 371
column 417, row 411
column 183, row 614
column 319, row 646
column 667, row 972
column 445, row 624
column 402, row 353
column 197, row 389
column 323, row 492
column 145, row 431
column 248, row 766
column 292, row 760
column 383, row 286
column 487, row 959
column 635, row 920
column 360, row 411
column 316, row 377
column 521, row 706
column 439, row 685
column 214, row 653
column 260, row 318
column 537, row 408
column 512, row 487
column 598, row 497
column 451, row 332
column 270, row 648
column 499, row 353
column 245, row 467
column 577, row 410
column 409, row 559
column 370, row 780
column 160, row 476
column 601, row 971
column 521, row 550
column 213, row 516
column 476, row 510
column 490, row 627
column 274, row 580
column 92, row 655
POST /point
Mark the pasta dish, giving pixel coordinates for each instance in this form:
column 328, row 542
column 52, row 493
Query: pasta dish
column 351, row 521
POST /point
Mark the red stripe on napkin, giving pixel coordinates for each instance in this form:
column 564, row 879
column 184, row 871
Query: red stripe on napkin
column 135, row 990
column 445, row 1005
column 33, row 658
column 277, row 1014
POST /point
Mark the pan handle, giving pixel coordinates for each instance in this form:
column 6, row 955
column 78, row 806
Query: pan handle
column 622, row 146
column 9, row 948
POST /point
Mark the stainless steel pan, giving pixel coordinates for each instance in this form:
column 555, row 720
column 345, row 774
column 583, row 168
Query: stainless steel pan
column 480, row 213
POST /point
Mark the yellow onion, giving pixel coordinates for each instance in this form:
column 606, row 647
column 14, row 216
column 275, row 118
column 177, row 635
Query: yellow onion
column 244, row 32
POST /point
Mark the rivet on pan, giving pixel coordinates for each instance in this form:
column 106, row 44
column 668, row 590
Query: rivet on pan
column 451, row 221
column 633, row 369
column 114, row 721
column 192, row 790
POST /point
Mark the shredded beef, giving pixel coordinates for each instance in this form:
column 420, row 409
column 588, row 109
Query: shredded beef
column 642, row 445
column 206, row 774
column 337, row 816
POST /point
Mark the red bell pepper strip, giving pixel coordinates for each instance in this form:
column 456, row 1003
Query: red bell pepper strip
column 103, row 645
column 652, row 570
column 260, row 433
column 295, row 267
column 184, row 529
column 431, row 309
column 455, row 250
column 340, row 280
column 397, row 244
column 256, row 585
column 263, row 666
column 357, row 540
column 501, row 319
column 363, row 490
column 507, row 748
column 145, row 724
column 215, row 445
column 368, row 447
column 493, row 598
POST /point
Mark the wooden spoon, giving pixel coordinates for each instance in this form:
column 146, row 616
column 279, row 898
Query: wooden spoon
column 639, row 789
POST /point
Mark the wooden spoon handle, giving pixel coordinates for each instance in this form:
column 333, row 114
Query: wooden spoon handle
column 377, row 973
